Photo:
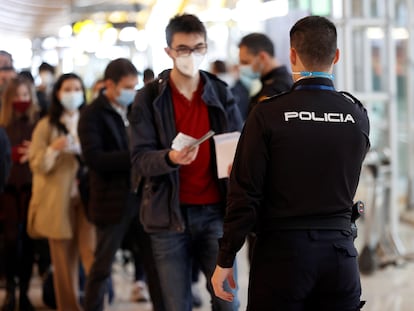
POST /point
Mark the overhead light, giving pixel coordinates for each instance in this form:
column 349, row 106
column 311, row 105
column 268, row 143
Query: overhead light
column 262, row 11
column 216, row 15
column 128, row 34
column 377, row 33
column 400, row 33
column 273, row 8
column 65, row 31
column 141, row 41
column 109, row 36
column 49, row 43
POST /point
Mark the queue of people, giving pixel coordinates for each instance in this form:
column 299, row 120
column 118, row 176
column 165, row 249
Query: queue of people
column 82, row 175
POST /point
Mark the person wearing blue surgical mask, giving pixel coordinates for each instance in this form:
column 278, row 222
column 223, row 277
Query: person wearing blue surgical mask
column 257, row 61
column 56, row 210
column 103, row 132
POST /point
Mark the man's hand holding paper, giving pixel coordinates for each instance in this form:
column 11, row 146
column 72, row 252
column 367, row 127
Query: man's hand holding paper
column 185, row 148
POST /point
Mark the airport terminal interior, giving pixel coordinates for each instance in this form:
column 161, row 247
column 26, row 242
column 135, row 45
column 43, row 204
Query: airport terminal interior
column 376, row 41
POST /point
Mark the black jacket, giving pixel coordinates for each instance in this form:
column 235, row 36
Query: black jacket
column 297, row 165
column 104, row 142
column 277, row 81
column 152, row 132
column 5, row 158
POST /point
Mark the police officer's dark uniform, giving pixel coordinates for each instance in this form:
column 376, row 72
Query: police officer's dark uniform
column 298, row 164
column 277, row 81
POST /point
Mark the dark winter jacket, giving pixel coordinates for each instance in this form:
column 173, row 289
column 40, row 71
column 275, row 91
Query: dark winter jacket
column 153, row 130
column 104, row 142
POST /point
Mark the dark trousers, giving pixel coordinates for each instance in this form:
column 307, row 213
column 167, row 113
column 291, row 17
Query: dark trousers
column 304, row 271
column 18, row 257
column 109, row 238
column 18, row 247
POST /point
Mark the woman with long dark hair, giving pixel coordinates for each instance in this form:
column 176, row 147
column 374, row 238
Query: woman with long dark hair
column 56, row 211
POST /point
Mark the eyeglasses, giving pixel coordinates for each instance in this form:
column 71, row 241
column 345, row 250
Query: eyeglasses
column 186, row 50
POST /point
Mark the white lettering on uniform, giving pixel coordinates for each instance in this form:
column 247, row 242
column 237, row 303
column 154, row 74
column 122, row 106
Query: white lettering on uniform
column 331, row 117
column 305, row 115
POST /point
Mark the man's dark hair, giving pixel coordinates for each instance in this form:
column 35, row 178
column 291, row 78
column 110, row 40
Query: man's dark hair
column 148, row 74
column 9, row 56
column 26, row 74
column 47, row 67
column 218, row 66
column 186, row 23
column 118, row 69
column 258, row 42
column 315, row 40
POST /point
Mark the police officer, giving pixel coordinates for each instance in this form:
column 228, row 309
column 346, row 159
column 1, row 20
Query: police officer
column 257, row 60
column 295, row 175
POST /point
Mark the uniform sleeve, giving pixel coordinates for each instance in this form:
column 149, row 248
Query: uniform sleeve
column 147, row 156
column 246, row 188
column 5, row 158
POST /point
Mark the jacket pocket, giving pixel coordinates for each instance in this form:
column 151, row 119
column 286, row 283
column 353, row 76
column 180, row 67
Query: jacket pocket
column 155, row 204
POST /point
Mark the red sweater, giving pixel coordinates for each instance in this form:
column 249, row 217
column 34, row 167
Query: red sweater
column 197, row 182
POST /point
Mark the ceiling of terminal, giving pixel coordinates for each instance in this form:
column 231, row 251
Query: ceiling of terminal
column 37, row 18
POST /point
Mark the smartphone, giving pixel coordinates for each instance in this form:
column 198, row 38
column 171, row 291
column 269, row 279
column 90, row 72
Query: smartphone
column 206, row 136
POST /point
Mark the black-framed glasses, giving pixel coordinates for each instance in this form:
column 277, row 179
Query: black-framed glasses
column 184, row 50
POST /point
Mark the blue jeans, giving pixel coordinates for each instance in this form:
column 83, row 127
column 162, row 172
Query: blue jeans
column 173, row 252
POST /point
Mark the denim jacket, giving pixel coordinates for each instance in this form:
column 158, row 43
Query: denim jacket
column 152, row 131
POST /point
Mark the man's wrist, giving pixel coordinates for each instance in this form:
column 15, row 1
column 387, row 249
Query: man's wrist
column 169, row 161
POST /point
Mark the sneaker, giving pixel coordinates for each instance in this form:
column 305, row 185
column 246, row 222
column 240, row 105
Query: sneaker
column 139, row 292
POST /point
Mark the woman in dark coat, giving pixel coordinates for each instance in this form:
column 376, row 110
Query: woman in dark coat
column 18, row 116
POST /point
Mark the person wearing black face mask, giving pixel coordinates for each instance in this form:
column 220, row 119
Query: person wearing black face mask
column 18, row 115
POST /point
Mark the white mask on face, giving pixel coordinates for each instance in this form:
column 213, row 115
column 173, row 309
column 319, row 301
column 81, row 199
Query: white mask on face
column 189, row 65
column 72, row 100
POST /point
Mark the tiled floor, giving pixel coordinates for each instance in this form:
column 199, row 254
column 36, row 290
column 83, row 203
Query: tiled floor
column 387, row 289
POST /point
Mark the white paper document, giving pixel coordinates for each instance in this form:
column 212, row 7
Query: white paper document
column 182, row 140
column 225, row 149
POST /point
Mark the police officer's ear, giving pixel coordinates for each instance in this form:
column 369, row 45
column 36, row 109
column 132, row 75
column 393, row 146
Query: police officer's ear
column 293, row 56
column 336, row 58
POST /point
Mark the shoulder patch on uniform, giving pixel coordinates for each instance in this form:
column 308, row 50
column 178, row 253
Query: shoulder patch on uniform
column 351, row 98
column 264, row 99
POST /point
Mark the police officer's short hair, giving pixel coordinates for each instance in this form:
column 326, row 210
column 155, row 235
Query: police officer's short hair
column 257, row 42
column 315, row 40
column 186, row 23
column 119, row 68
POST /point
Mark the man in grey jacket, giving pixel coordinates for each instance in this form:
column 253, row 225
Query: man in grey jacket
column 183, row 200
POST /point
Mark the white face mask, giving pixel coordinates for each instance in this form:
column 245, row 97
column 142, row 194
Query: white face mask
column 189, row 65
column 72, row 100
